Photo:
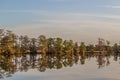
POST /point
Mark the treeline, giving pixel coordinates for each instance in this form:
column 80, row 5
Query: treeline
column 21, row 53
column 10, row 43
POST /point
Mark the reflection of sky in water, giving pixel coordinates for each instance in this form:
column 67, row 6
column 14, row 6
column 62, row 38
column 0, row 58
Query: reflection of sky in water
column 88, row 71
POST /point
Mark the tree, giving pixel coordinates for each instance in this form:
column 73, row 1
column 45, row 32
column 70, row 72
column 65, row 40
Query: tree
column 25, row 44
column 101, row 44
column 82, row 52
column 91, row 49
column 76, row 48
column 82, row 47
column 8, row 42
column 108, row 47
column 116, row 48
column 50, row 42
column 59, row 47
column 68, row 48
column 33, row 47
column 76, row 52
column 43, row 45
column 51, row 47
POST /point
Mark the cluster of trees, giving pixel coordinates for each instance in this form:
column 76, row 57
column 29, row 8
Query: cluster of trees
column 10, row 43
column 53, row 52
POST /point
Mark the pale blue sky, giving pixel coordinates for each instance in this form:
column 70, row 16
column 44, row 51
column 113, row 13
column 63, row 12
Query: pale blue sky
column 80, row 20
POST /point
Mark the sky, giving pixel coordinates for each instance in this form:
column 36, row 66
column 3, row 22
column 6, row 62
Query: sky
column 79, row 20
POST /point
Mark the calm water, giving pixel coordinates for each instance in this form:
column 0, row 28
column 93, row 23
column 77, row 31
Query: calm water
column 29, row 67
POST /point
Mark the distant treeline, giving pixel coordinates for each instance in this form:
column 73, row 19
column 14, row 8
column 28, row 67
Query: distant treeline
column 10, row 43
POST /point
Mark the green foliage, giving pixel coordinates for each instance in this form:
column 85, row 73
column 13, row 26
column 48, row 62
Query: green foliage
column 59, row 65
column 83, row 46
column 42, row 40
column 59, row 41
column 10, row 43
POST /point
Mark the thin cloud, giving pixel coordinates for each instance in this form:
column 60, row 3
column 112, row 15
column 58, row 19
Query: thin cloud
column 23, row 11
column 60, row 0
column 109, row 16
column 110, row 6
column 65, row 14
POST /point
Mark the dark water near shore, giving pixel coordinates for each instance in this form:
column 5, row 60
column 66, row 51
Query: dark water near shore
column 34, row 67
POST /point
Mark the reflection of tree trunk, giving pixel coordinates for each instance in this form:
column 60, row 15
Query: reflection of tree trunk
column 82, row 53
column 101, row 61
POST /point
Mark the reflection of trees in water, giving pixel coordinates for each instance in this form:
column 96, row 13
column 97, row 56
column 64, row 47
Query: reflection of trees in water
column 10, row 64
column 7, row 66
column 101, row 60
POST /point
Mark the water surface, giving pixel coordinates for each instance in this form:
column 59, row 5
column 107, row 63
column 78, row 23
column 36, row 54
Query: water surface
column 29, row 67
